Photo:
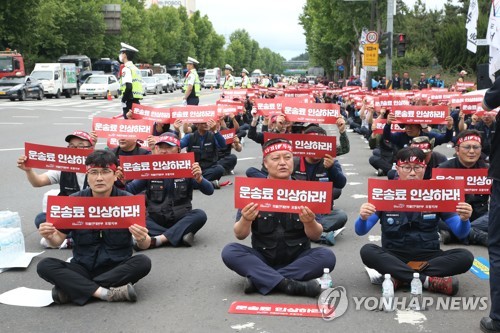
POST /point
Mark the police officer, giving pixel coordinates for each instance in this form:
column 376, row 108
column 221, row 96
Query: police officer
column 408, row 237
column 171, row 218
column 192, row 84
column 281, row 257
column 130, row 79
column 229, row 79
column 492, row 323
column 245, row 82
column 407, row 83
column 423, row 83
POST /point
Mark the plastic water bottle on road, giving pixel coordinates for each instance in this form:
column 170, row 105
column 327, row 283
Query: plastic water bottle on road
column 326, row 280
column 416, row 293
column 388, row 294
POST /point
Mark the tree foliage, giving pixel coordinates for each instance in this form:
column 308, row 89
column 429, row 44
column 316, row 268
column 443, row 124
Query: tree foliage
column 43, row 30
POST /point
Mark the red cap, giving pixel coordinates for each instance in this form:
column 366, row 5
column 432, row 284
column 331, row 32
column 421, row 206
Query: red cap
column 81, row 135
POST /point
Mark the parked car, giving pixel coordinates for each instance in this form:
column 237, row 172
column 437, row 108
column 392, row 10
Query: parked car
column 98, row 86
column 153, row 85
column 237, row 81
column 20, row 87
column 167, row 82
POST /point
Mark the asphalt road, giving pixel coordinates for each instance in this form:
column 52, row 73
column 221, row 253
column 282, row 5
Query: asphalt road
column 190, row 289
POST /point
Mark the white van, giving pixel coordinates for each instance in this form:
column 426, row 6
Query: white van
column 57, row 79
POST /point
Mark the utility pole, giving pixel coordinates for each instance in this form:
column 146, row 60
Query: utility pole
column 390, row 28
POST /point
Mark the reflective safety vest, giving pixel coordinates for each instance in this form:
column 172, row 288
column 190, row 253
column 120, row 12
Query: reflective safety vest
column 246, row 82
column 195, row 92
column 229, row 83
column 137, row 91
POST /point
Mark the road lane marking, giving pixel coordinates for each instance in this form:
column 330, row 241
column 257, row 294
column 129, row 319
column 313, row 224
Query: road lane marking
column 11, row 123
column 26, row 116
column 67, row 124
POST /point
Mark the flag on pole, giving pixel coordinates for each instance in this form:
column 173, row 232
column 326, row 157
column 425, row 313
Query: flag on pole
column 471, row 26
column 493, row 38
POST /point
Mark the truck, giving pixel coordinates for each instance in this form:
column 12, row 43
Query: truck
column 159, row 69
column 82, row 63
column 107, row 66
column 57, row 79
column 212, row 78
column 175, row 71
column 11, row 64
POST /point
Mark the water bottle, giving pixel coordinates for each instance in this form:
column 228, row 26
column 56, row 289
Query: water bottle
column 393, row 166
column 9, row 219
column 416, row 293
column 326, row 280
column 388, row 294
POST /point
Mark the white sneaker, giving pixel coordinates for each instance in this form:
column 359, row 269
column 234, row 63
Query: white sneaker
column 338, row 232
column 45, row 244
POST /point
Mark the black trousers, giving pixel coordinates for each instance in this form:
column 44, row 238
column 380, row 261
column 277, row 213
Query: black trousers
column 228, row 162
column 394, row 262
column 381, row 160
column 191, row 222
column 80, row 284
column 494, row 250
column 128, row 106
column 193, row 100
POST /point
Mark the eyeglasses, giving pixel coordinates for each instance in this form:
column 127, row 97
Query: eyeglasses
column 103, row 172
column 469, row 147
column 409, row 168
column 79, row 146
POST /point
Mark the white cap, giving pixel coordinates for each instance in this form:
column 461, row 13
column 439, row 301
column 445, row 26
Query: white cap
column 192, row 61
column 387, row 276
column 463, row 72
column 416, row 275
column 228, row 67
column 244, row 71
column 126, row 47
column 326, row 270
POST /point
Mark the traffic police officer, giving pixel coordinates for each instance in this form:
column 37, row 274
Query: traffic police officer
column 229, row 81
column 281, row 257
column 410, row 239
column 130, row 79
column 245, row 82
column 192, row 85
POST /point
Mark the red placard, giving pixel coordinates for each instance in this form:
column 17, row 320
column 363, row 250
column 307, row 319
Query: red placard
column 161, row 115
column 225, row 109
column 419, row 114
column 380, row 124
column 440, row 97
column 297, row 92
column 122, row 128
column 271, row 309
column 157, row 166
column 114, row 142
column 477, row 181
column 283, row 195
column 390, row 101
column 96, row 213
column 228, row 135
column 325, row 113
column 56, row 158
column 195, row 114
column 235, row 93
column 468, row 107
column 415, row 195
column 457, row 101
column 464, row 85
column 269, row 107
column 308, row 145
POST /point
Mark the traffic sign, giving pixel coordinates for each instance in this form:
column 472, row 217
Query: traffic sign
column 341, row 68
column 340, row 61
column 372, row 37
column 370, row 57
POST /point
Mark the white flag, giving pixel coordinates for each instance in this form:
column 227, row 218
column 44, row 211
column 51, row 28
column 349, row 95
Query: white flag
column 471, row 26
column 493, row 39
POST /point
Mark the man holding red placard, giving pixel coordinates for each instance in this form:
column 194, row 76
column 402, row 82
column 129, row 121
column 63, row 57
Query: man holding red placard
column 102, row 265
column 281, row 257
column 410, row 239
column 171, row 218
column 69, row 182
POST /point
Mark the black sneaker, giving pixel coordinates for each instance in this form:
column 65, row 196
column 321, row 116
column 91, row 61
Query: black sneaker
column 188, row 239
column 444, row 236
column 122, row 293
column 215, row 184
column 489, row 325
column 478, row 237
column 309, row 288
column 59, row 296
column 248, row 286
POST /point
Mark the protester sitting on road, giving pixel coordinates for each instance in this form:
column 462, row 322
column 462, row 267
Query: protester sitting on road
column 171, row 218
column 281, row 257
column 413, row 236
column 102, row 266
column 402, row 139
column 468, row 156
column 327, row 169
column 205, row 142
column 226, row 159
column 69, row 182
column 383, row 151
column 486, row 125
